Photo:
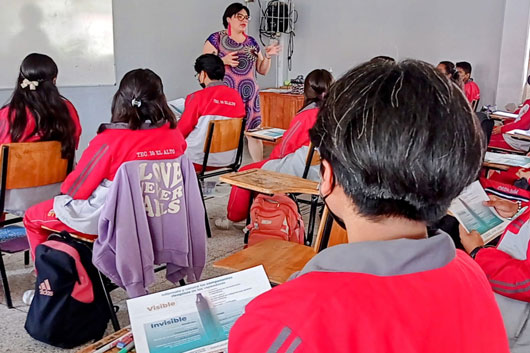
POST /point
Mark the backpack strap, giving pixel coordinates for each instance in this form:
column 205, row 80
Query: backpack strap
column 83, row 290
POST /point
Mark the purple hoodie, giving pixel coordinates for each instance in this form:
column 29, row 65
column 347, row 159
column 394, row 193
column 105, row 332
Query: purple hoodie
column 153, row 215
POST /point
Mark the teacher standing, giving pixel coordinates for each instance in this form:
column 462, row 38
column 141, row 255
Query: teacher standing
column 242, row 56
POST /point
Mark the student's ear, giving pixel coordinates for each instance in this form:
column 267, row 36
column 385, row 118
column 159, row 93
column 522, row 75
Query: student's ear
column 55, row 81
column 326, row 178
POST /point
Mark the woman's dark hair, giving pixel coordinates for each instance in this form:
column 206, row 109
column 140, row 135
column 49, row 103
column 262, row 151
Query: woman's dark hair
column 212, row 65
column 42, row 99
column 231, row 10
column 383, row 57
column 316, row 86
column 141, row 98
column 402, row 140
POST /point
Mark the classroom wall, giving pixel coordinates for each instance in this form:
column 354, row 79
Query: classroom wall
column 342, row 33
column 163, row 35
column 514, row 53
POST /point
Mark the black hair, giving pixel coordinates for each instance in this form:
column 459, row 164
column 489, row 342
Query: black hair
column 141, row 98
column 451, row 70
column 53, row 121
column 464, row 65
column 316, row 86
column 212, row 65
column 383, row 57
column 402, row 139
column 231, row 10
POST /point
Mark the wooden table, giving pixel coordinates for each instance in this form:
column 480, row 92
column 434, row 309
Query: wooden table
column 495, row 166
column 277, row 268
column 270, row 183
column 107, row 339
column 278, row 109
column 256, row 134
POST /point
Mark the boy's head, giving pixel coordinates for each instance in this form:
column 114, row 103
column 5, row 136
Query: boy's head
column 396, row 140
column 464, row 69
column 209, row 68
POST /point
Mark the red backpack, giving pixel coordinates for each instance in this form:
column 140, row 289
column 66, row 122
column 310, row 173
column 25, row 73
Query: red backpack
column 275, row 217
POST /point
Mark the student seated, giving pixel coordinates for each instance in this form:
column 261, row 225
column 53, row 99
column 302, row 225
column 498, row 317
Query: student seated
column 507, row 267
column 37, row 111
column 449, row 70
column 387, row 171
column 470, row 87
column 141, row 126
column 289, row 156
column 215, row 101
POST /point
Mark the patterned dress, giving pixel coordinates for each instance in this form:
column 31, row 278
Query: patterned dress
column 243, row 77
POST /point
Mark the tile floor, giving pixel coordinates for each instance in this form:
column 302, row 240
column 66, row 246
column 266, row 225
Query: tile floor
column 13, row 337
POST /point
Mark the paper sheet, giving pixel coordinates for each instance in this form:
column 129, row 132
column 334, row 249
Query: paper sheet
column 194, row 318
column 473, row 215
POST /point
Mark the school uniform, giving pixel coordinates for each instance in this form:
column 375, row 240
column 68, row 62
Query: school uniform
column 522, row 122
column 507, row 268
column 215, row 102
column 28, row 135
column 84, row 189
column 399, row 295
column 472, row 91
column 288, row 157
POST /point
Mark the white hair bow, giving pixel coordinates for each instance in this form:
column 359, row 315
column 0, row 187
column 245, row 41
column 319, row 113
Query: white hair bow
column 32, row 84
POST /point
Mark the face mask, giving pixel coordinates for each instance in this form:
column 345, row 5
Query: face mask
column 528, row 80
column 202, row 84
column 336, row 218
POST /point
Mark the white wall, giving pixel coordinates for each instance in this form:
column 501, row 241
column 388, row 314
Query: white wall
column 163, row 35
column 343, row 33
column 514, row 53
column 167, row 36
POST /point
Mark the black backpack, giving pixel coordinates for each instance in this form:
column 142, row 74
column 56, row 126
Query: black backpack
column 69, row 306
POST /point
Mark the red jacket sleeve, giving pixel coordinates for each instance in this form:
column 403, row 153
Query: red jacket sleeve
column 92, row 168
column 508, row 276
column 523, row 124
column 190, row 116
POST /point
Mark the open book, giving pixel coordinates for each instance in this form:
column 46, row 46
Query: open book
column 473, row 215
column 504, row 114
column 513, row 160
column 194, row 318
column 269, row 134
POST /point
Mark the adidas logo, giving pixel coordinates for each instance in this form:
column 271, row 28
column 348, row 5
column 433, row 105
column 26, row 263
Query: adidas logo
column 45, row 288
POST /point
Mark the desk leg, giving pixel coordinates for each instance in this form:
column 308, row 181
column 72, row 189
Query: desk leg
column 312, row 219
column 248, row 214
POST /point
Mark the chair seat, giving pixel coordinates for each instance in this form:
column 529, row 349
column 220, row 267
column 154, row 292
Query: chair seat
column 9, row 233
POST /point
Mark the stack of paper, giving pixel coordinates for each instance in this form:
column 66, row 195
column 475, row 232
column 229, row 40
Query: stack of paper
column 512, row 160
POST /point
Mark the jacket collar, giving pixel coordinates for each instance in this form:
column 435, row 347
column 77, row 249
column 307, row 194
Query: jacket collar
column 386, row 258
column 125, row 126
column 215, row 83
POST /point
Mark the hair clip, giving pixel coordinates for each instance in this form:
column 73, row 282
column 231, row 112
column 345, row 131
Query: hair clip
column 32, row 84
column 136, row 103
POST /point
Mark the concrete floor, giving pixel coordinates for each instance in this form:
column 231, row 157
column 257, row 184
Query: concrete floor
column 14, row 338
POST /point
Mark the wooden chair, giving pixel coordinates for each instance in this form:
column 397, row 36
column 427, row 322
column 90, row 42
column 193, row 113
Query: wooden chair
column 222, row 136
column 281, row 258
column 26, row 165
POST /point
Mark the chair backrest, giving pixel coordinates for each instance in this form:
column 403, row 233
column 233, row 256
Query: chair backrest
column 312, row 159
column 32, row 164
column 474, row 104
column 224, row 136
column 329, row 233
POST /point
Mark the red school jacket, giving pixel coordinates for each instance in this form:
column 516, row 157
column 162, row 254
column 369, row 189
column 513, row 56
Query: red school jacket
column 298, row 133
column 393, row 296
column 114, row 145
column 5, row 137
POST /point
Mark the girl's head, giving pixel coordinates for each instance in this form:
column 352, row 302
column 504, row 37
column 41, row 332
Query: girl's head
column 141, row 98
column 237, row 16
column 316, row 86
column 36, row 91
column 449, row 70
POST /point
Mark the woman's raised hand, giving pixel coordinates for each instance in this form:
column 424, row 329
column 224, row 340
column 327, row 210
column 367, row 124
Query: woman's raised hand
column 231, row 59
